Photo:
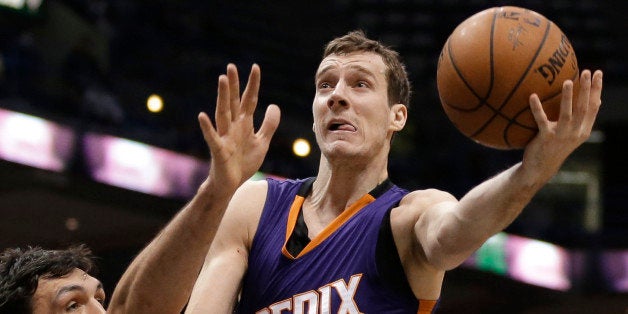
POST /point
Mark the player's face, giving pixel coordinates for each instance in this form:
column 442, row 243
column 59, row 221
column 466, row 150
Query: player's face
column 352, row 116
column 77, row 292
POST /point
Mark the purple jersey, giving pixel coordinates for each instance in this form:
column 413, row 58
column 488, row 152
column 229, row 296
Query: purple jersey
column 336, row 272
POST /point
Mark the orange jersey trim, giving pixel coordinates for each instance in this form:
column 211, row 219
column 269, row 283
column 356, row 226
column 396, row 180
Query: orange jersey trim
column 426, row 306
column 292, row 222
column 333, row 226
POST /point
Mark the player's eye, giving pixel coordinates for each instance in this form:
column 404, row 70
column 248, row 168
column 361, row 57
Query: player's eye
column 324, row 85
column 72, row 306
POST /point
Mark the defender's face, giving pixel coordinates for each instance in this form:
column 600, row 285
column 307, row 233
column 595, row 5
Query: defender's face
column 352, row 116
column 77, row 292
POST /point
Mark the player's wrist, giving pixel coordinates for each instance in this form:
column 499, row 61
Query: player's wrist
column 211, row 192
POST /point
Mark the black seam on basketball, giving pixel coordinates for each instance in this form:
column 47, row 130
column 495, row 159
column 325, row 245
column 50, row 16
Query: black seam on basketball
column 575, row 75
column 496, row 112
column 482, row 100
column 536, row 55
column 491, row 58
column 453, row 64
column 534, row 128
column 513, row 90
column 526, row 109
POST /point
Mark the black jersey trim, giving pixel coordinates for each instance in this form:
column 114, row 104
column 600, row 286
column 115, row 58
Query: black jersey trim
column 299, row 238
column 387, row 258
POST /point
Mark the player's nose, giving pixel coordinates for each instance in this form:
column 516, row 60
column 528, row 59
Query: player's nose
column 338, row 96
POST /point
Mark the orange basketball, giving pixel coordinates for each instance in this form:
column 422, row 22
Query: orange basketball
column 491, row 64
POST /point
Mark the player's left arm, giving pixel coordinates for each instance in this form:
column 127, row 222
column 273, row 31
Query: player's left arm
column 449, row 231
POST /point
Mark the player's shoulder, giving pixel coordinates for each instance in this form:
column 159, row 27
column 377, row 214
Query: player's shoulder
column 426, row 198
column 248, row 200
column 414, row 204
column 251, row 191
column 254, row 186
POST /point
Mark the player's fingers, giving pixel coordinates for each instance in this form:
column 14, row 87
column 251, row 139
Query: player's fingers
column 209, row 133
column 581, row 104
column 234, row 90
column 595, row 99
column 566, row 105
column 223, row 110
column 250, row 95
column 270, row 123
column 596, row 86
column 537, row 112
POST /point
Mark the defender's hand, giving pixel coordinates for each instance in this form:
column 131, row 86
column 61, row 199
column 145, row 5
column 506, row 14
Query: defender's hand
column 237, row 151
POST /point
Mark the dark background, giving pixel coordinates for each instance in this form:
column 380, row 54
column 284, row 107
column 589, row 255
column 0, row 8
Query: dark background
column 91, row 64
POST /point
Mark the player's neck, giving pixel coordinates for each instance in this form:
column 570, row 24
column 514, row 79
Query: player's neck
column 335, row 190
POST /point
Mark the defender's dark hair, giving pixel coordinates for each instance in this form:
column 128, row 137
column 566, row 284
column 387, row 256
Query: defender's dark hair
column 21, row 269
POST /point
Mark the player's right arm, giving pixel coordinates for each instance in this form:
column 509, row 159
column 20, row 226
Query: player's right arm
column 218, row 285
column 161, row 278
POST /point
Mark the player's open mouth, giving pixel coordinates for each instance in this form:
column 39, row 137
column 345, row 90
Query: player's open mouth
column 340, row 125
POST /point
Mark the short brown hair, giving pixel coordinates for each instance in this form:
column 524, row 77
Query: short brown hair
column 20, row 271
column 399, row 88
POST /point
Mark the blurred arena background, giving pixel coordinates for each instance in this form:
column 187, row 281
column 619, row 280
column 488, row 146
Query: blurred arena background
column 82, row 159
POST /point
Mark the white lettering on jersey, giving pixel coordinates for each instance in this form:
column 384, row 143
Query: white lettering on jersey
column 300, row 300
column 319, row 302
column 325, row 299
column 346, row 293
column 280, row 306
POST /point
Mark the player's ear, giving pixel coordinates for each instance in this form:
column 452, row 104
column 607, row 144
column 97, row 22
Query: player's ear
column 398, row 116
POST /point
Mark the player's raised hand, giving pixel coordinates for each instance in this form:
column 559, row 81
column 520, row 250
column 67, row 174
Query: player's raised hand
column 237, row 151
column 557, row 139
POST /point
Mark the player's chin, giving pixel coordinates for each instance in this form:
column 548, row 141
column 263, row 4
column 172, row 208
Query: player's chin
column 340, row 147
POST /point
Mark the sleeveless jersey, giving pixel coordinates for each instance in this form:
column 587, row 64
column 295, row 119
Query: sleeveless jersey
column 336, row 272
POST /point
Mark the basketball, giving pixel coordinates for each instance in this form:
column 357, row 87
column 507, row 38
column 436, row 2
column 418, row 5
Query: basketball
column 490, row 65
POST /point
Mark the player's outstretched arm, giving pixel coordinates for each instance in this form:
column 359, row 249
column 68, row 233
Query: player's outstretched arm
column 450, row 231
column 161, row 277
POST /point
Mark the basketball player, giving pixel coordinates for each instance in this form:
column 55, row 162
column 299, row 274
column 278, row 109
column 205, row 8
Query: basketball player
column 347, row 240
column 35, row 280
